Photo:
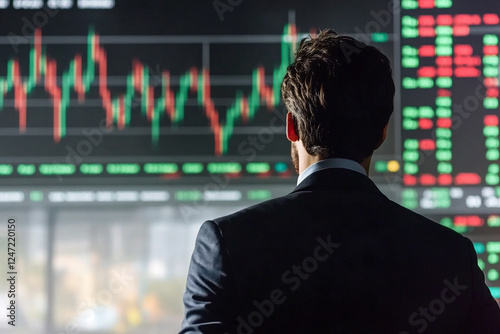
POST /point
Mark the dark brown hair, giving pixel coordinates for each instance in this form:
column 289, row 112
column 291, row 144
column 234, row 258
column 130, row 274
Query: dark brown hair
column 340, row 92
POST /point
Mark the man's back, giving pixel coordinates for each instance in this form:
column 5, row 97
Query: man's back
column 335, row 256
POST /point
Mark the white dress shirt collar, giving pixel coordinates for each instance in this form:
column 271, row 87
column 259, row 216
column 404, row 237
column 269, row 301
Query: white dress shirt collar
column 331, row 163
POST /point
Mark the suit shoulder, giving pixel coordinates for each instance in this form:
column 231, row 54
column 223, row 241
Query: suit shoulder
column 263, row 209
column 417, row 222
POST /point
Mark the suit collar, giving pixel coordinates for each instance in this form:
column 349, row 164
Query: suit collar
column 338, row 178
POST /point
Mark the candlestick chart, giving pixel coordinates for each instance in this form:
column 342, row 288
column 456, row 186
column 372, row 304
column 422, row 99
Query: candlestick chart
column 90, row 105
column 170, row 104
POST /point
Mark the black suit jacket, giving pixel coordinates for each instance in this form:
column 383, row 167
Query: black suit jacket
column 335, row 256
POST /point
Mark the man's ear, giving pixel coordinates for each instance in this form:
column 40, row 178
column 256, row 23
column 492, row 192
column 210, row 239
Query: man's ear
column 291, row 134
column 384, row 135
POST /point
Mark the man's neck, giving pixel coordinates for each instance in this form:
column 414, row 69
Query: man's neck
column 307, row 160
column 366, row 165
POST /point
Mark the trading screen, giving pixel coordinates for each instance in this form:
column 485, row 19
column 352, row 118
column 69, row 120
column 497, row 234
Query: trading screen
column 449, row 120
column 125, row 125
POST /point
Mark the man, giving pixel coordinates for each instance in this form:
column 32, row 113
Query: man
column 335, row 255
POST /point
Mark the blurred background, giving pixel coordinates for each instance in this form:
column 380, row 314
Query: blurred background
column 125, row 125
